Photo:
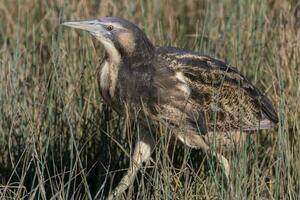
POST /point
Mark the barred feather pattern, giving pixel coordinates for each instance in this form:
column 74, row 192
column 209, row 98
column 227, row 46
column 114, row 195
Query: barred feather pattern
column 220, row 99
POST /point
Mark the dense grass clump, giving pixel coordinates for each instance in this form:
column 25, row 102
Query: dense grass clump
column 59, row 140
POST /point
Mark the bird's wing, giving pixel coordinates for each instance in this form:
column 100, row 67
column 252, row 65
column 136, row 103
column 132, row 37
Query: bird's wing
column 218, row 95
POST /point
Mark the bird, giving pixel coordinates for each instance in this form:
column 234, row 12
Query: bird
column 205, row 101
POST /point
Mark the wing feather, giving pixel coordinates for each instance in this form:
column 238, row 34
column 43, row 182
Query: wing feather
column 218, row 91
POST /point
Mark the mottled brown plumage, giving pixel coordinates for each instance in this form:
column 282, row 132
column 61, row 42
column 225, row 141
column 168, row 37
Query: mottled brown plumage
column 199, row 97
column 225, row 97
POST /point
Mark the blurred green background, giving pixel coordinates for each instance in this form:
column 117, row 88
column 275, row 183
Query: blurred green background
column 58, row 140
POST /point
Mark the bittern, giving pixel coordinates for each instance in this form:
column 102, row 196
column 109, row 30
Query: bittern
column 205, row 101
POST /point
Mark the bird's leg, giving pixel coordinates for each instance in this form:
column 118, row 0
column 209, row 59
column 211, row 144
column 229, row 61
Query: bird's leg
column 224, row 162
column 142, row 153
column 196, row 141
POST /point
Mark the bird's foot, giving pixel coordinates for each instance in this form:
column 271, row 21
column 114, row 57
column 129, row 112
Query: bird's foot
column 122, row 186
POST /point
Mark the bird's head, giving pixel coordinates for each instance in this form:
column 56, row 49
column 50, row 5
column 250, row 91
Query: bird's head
column 120, row 37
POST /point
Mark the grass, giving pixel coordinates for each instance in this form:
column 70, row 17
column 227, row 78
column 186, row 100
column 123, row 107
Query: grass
column 58, row 140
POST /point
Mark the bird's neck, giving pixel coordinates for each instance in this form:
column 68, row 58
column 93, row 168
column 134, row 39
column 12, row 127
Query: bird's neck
column 115, row 63
column 143, row 54
column 109, row 75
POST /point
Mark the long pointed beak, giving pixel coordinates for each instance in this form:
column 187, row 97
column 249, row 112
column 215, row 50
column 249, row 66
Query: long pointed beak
column 92, row 26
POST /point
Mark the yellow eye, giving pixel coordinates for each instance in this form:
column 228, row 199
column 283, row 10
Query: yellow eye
column 109, row 27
